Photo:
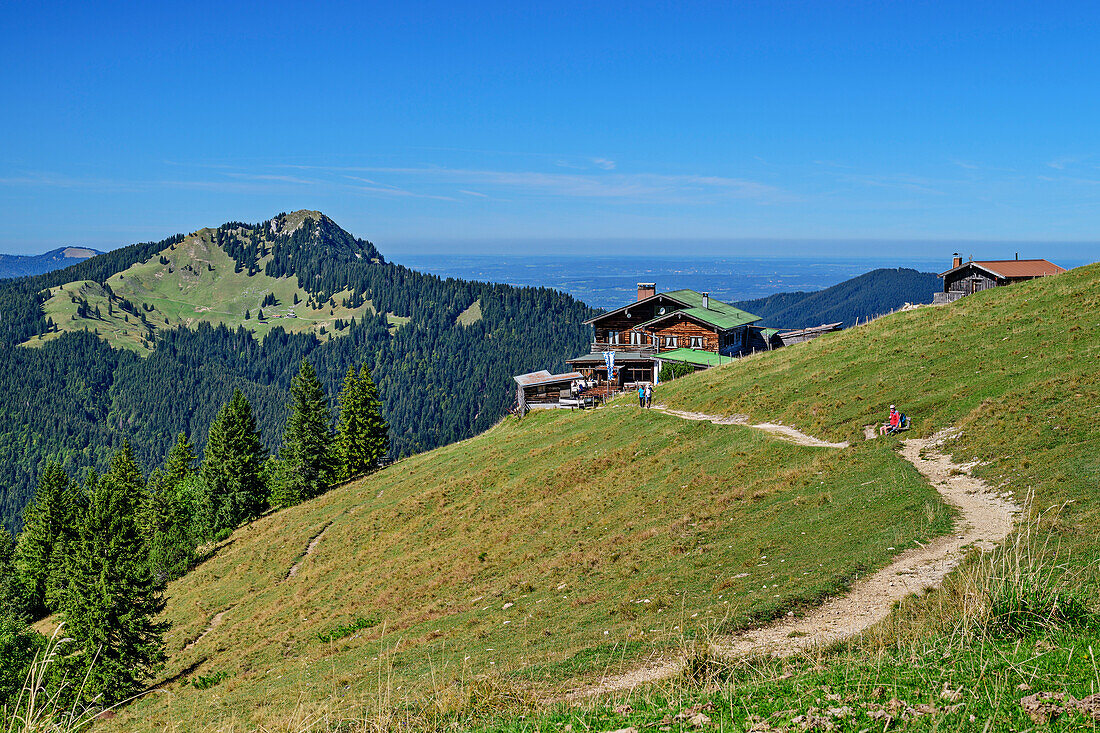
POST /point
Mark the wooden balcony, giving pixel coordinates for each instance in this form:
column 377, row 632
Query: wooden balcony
column 646, row 349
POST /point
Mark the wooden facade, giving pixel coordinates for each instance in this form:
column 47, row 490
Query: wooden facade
column 543, row 389
column 683, row 333
column 619, row 330
column 663, row 322
column 630, row 367
column 967, row 278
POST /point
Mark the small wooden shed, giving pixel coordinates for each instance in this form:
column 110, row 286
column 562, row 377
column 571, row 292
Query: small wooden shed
column 543, row 389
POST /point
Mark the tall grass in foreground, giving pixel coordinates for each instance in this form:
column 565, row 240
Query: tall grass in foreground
column 40, row 706
column 1025, row 586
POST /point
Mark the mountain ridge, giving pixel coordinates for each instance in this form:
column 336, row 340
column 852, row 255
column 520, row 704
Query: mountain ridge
column 60, row 257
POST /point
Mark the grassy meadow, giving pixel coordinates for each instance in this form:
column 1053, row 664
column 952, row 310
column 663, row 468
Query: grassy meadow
column 1018, row 369
column 540, row 553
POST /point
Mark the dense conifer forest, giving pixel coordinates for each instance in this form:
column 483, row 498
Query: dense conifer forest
column 75, row 400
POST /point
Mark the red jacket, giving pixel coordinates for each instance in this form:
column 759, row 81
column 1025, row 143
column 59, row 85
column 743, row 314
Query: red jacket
column 895, row 417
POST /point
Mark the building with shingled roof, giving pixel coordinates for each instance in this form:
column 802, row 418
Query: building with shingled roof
column 967, row 278
column 689, row 326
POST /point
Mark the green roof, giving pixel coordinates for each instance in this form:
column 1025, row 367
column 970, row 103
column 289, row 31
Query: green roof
column 767, row 333
column 718, row 314
column 694, row 356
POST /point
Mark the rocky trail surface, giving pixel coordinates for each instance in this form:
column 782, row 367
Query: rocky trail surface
column 986, row 517
column 782, row 431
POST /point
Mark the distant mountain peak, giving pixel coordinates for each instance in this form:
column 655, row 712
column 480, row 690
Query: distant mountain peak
column 288, row 223
column 79, row 253
column 55, row 259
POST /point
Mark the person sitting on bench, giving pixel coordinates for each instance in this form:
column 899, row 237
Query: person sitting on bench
column 892, row 424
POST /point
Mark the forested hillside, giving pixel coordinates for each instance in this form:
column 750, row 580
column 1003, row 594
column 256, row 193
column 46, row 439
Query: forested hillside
column 869, row 295
column 127, row 348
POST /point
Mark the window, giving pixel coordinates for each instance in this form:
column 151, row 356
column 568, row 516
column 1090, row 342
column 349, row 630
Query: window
column 670, row 342
column 613, row 337
column 696, row 342
column 635, row 338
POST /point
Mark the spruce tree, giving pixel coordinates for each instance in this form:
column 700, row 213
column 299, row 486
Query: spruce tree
column 167, row 519
column 11, row 600
column 309, row 467
column 232, row 463
column 112, row 598
column 362, row 435
column 181, row 460
column 18, row 642
column 44, row 522
column 194, row 494
column 75, row 503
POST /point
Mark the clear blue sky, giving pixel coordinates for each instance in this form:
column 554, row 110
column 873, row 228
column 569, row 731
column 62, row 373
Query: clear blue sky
column 499, row 127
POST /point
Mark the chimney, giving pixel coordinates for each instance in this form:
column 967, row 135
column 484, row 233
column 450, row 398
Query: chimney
column 956, row 260
column 706, row 301
column 646, row 290
column 1017, row 255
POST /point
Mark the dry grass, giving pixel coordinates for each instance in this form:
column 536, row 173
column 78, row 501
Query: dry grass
column 500, row 559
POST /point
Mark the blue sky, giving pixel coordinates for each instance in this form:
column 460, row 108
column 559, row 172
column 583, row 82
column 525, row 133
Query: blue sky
column 831, row 128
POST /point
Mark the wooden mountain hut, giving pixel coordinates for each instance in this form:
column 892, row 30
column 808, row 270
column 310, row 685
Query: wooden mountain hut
column 543, row 389
column 967, row 278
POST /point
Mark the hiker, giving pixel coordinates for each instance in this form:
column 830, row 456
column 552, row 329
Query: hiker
column 892, row 424
column 648, row 395
column 641, row 395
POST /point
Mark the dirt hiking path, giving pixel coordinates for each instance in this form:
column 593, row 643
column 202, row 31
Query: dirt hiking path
column 782, row 431
column 215, row 622
column 314, row 541
column 986, row 517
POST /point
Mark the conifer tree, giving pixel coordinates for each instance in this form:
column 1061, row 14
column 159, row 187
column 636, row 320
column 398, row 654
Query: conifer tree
column 44, row 523
column 112, row 598
column 362, row 435
column 75, row 503
column 232, row 463
column 11, row 601
column 180, row 462
column 309, row 467
column 167, row 519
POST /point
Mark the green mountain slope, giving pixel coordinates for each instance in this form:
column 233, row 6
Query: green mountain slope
column 860, row 298
column 149, row 340
column 195, row 280
column 572, row 544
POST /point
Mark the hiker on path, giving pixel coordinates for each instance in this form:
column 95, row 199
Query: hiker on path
column 648, row 395
column 641, row 395
column 892, row 424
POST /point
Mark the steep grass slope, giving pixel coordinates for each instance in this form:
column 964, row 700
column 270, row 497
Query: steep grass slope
column 1018, row 369
column 540, row 551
